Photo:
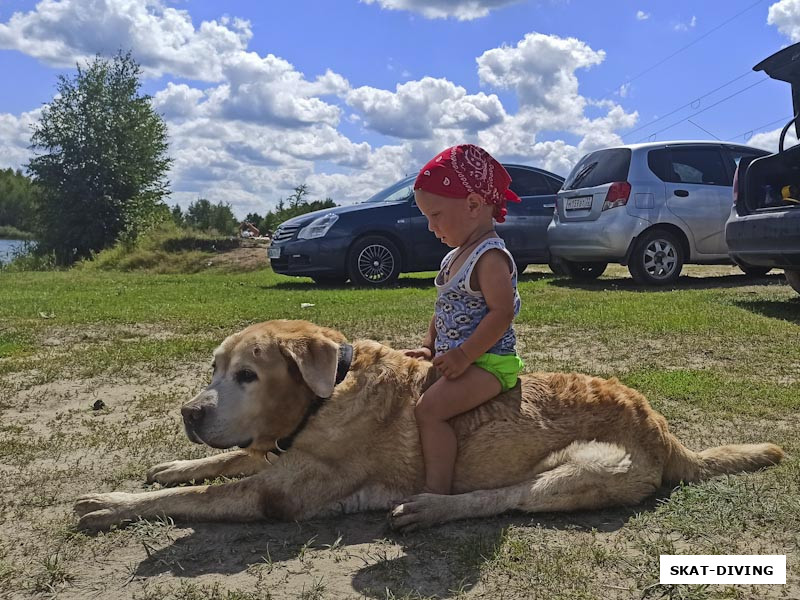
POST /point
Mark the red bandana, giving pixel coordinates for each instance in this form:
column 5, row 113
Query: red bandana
column 461, row 170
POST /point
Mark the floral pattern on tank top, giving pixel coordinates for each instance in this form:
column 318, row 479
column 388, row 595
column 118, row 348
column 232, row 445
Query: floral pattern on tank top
column 459, row 308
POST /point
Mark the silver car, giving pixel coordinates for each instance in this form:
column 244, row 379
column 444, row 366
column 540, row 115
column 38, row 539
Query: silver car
column 652, row 207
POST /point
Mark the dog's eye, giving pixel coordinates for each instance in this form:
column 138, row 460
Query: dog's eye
column 245, row 376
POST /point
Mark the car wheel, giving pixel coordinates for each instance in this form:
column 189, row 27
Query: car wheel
column 373, row 260
column 793, row 279
column 582, row 271
column 754, row 271
column 657, row 258
column 329, row 279
column 557, row 266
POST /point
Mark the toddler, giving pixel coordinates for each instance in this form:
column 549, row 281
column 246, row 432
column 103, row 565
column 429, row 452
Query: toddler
column 470, row 339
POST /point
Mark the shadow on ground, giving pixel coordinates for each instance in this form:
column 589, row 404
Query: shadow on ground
column 785, row 311
column 422, row 283
column 685, row 282
column 440, row 562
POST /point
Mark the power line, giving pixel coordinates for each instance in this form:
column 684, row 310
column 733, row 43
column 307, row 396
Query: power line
column 706, row 130
column 705, row 109
column 752, row 130
column 692, row 103
column 692, row 43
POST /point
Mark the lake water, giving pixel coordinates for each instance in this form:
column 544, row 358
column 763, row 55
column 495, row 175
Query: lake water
column 7, row 248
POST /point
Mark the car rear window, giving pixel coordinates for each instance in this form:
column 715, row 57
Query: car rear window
column 599, row 168
column 528, row 183
column 703, row 165
column 700, row 165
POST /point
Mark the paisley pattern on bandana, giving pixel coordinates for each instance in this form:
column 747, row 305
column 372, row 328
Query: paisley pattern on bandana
column 461, row 170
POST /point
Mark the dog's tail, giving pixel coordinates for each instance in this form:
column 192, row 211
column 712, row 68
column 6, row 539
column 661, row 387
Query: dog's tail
column 688, row 466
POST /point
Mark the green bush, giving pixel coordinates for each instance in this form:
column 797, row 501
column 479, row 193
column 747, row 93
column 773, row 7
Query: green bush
column 27, row 260
column 164, row 249
column 9, row 232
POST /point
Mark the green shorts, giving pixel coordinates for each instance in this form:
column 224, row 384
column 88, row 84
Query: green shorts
column 505, row 367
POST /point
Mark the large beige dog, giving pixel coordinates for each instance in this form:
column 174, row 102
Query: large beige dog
column 556, row 442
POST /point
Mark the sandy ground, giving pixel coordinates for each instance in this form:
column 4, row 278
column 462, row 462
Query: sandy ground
column 63, row 448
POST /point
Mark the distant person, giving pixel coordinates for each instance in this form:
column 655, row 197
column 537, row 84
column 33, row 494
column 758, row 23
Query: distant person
column 462, row 192
column 248, row 230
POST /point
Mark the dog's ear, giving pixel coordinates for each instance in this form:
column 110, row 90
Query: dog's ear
column 316, row 359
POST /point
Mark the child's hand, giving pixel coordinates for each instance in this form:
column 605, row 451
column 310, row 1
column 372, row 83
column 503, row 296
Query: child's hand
column 422, row 353
column 452, row 363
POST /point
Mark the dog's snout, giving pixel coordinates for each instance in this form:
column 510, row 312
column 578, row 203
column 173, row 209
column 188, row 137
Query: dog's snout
column 192, row 414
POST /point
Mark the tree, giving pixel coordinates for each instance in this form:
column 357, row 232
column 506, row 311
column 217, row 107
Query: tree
column 204, row 215
column 177, row 216
column 297, row 206
column 254, row 218
column 17, row 200
column 102, row 160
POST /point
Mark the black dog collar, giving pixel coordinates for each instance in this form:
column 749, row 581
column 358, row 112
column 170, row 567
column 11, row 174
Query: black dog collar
column 342, row 367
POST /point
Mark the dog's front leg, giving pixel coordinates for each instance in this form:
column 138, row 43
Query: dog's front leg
column 237, row 463
column 236, row 501
column 296, row 488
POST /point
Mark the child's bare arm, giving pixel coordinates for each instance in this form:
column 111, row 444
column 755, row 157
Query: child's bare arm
column 493, row 274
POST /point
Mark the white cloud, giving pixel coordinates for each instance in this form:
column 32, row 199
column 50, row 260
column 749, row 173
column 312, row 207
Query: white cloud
column 264, row 163
column 785, row 15
column 431, row 114
column 15, row 138
column 624, row 90
column 686, row 26
column 269, row 89
column 178, row 101
column 259, row 127
column 540, row 68
column 416, row 108
column 164, row 40
column 463, row 10
column 769, row 140
column 642, row 16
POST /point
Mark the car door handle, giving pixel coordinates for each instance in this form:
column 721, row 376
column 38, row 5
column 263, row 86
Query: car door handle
column 548, row 205
column 682, row 193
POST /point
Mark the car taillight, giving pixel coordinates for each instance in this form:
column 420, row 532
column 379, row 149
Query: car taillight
column 617, row 195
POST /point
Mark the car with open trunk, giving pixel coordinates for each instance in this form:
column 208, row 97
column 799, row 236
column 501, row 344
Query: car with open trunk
column 764, row 224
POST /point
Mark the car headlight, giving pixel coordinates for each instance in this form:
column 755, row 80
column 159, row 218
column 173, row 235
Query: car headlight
column 318, row 227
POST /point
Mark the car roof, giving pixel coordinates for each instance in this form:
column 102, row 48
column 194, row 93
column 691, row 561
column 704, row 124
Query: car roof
column 537, row 169
column 505, row 164
column 648, row 145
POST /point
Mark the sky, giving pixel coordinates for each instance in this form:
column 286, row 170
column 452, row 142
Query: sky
column 348, row 96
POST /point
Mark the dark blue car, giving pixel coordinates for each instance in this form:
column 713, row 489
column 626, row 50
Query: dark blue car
column 373, row 242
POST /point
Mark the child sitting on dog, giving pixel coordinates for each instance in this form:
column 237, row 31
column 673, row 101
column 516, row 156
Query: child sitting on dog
column 470, row 339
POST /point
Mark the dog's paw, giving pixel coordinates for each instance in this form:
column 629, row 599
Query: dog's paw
column 101, row 511
column 419, row 512
column 172, row 472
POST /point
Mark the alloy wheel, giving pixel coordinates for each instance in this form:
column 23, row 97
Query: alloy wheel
column 375, row 263
column 660, row 259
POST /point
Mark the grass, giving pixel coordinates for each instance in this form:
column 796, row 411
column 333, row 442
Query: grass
column 717, row 355
column 166, row 248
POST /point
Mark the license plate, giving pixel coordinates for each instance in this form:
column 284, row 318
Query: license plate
column 580, row 203
column 273, row 252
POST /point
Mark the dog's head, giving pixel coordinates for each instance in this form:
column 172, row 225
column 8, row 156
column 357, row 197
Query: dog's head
column 264, row 378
